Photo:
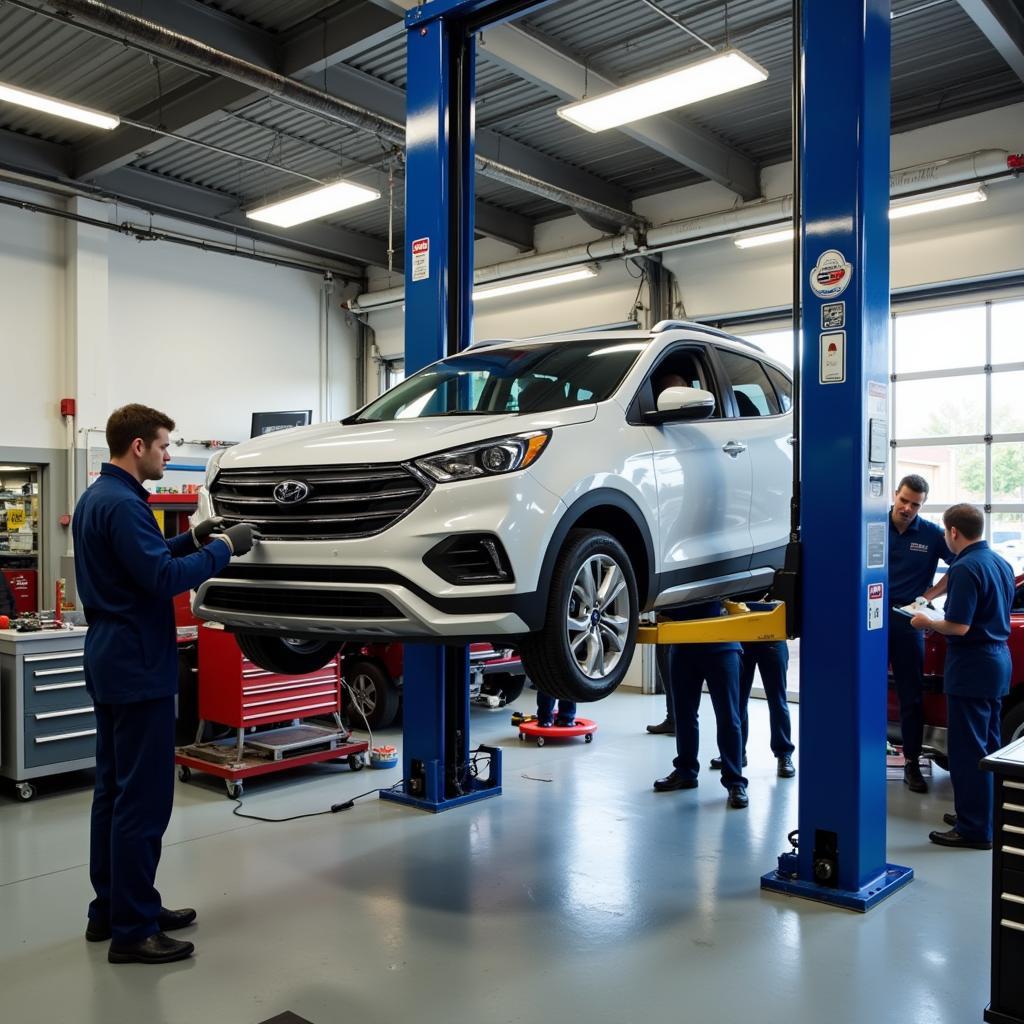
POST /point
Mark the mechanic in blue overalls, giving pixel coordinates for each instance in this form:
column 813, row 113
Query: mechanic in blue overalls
column 690, row 665
column 915, row 547
column 977, row 673
column 127, row 575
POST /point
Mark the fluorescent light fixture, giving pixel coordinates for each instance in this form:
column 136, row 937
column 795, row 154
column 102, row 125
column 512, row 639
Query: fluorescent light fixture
column 765, row 238
column 318, row 202
column 48, row 105
column 937, row 201
column 13, row 469
column 721, row 73
column 530, row 283
column 898, row 209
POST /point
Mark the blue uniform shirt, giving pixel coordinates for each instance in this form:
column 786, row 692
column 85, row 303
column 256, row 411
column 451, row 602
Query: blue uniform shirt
column 980, row 595
column 126, row 574
column 704, row 610
column 913, row 558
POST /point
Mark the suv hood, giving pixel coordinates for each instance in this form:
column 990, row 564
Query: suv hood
column 329, row 444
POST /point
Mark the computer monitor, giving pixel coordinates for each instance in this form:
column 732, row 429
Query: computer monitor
column 270, row 422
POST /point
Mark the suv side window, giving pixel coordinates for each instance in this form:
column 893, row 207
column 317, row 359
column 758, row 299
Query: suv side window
column 692, row 366
column 751, row 389
column 783, row 387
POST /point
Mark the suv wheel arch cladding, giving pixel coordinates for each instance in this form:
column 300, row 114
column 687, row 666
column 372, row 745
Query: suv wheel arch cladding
column 609, row 510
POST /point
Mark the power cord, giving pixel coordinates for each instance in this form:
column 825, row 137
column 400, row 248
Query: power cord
column 355, row 703
column 334, row 808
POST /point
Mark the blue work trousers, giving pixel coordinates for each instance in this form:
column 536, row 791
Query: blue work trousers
column 772, row 659
column 130, row 810
column 662, row 654
column 546, row 708
column 689, row 666
column 906, row 656
column 973, row 734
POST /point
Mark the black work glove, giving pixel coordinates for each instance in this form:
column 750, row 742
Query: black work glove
column 202, row 532
column 239, row 538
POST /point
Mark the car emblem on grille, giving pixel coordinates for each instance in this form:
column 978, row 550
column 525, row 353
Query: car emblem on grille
column 291, row 492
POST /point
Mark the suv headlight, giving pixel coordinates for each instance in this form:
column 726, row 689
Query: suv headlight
column 212, row 466
column 490, row 458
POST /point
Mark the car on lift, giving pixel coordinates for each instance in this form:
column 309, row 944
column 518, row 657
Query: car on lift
column 935, row 740
column 537, row 494
column 372, row 676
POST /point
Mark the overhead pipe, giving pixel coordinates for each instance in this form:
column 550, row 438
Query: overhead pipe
column 153, row 38
column 982, row 165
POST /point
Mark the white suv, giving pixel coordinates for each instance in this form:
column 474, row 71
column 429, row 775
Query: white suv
column 536, row 493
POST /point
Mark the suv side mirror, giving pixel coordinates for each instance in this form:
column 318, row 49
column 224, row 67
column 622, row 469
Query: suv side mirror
column 682, row 404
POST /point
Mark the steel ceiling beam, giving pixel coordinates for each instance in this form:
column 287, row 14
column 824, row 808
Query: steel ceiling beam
column 569, row 78
column 1002, row 22
column 112, row 21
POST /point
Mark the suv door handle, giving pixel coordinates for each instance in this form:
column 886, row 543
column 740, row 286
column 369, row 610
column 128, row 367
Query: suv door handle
column 734, row 448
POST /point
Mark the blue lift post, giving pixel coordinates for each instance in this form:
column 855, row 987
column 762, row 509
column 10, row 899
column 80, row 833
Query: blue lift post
column 844, row 496
column 441, row 72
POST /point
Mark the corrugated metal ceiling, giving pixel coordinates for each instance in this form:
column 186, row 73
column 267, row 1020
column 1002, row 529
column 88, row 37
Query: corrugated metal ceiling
column 942, row 66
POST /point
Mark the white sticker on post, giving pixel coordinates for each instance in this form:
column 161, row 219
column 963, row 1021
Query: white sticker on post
column 832, row 361
column 420, row 259
column 875, row 612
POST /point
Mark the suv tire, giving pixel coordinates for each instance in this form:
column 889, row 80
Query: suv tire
column 589, row 633
column 373, row 693
column 287, row 656
column 1013, row 723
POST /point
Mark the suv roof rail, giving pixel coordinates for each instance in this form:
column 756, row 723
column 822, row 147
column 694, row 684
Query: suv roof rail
column 485, row 342
column 671, row 325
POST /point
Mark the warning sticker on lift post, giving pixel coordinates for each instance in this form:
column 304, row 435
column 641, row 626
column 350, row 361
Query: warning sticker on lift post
column 420, row 259
column 875, row 594
column 832, row 358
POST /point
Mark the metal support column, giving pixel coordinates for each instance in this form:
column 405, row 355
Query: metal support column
column 844, row 430
column 439, row 768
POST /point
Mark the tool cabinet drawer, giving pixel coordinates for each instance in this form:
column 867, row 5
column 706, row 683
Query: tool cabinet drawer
column 53, row 679
column 65, row 735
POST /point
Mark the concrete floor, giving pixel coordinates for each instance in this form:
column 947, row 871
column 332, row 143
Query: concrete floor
column 579, row 894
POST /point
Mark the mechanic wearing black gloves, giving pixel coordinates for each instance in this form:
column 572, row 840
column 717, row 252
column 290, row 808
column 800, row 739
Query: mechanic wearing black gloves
column 127, row 574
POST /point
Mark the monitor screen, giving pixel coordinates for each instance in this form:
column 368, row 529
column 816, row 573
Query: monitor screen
column 269, row 422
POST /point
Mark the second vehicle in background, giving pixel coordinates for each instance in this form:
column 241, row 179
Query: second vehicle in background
column 373, row 674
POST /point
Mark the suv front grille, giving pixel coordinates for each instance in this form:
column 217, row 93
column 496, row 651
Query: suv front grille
column 297, row 601
column 343, row 501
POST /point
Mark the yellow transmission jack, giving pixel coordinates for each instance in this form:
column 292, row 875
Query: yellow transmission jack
column 763, row 621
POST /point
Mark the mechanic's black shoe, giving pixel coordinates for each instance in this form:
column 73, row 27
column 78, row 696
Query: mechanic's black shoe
column 786, row 769
column 715, row 764
column 953, row 839
column 666, row 728
column 545, row 723
column 168, row 921
column 565, row 723
column 674, row 780
column 949, row 819
column 157, row 949
column 913, row 779
column 738, row 796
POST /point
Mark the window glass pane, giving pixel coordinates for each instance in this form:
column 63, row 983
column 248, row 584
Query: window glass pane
column 750, row 385
column 1008, row 402
column 783, row 387
column 940, row 340
column 1008, row 472
column 1008, row 332
column 1008, row 538
column 944, row 407
column 954, row 472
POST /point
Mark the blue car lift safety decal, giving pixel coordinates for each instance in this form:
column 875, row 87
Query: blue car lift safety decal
column 439, row 768
column 844, row 180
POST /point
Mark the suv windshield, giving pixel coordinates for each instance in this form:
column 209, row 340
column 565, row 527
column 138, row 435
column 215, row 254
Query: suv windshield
column 526, row 379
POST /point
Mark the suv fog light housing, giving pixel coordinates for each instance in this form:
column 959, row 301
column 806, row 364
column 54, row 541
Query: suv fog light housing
column 469, row 558
column 500, row 455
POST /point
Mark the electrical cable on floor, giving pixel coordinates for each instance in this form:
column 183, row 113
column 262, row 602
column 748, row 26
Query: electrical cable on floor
column 334, row 808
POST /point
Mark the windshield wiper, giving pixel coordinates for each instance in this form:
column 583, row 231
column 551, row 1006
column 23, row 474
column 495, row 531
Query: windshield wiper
column 462, row 412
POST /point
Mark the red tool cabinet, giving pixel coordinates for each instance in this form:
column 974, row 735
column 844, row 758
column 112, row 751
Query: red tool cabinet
column 235, row 692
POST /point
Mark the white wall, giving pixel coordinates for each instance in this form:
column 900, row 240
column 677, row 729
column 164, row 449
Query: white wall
column 715, row 277
column 31, row 326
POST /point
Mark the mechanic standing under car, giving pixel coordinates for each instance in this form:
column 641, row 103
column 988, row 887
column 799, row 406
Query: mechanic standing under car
column 976, row 626
column 915, row 547
column 127, row 575
column 690, row 665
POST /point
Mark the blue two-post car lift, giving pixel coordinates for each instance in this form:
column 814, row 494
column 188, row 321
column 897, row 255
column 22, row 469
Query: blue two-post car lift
column 843, row 149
